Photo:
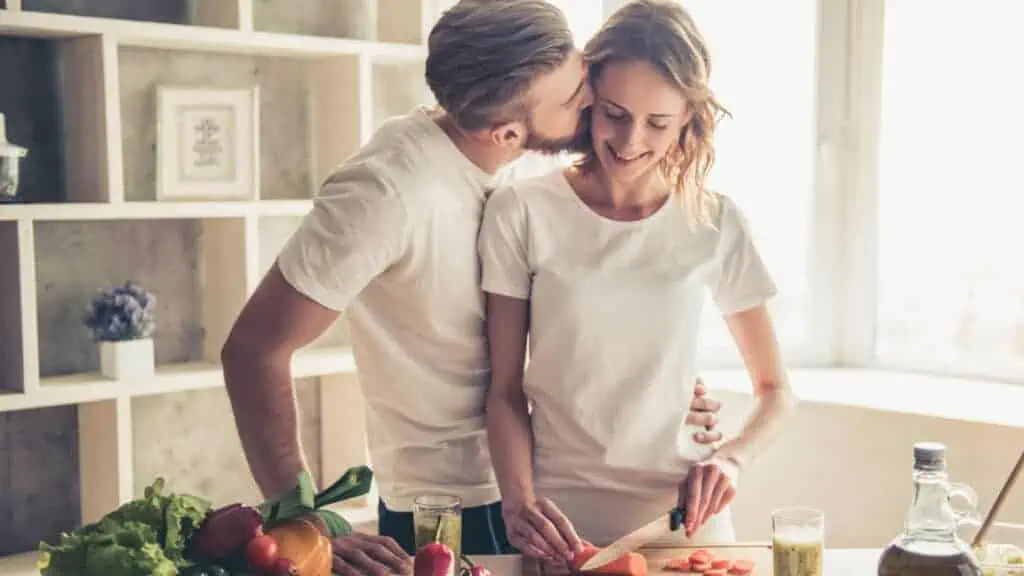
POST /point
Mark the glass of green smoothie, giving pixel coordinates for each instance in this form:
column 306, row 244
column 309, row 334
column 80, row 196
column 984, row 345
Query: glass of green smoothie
column 438, row 517
column 798, row 541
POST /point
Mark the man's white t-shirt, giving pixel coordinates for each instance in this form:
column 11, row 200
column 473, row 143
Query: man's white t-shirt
column 615, row 313
column 391, row 240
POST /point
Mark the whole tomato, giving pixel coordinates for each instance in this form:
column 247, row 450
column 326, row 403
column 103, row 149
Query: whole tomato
column 434, row 559
column 261, row 552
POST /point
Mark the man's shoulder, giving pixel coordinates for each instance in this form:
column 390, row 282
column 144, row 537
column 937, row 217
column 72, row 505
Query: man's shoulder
column 535, row 186
column 396, row 156
column 379, row 163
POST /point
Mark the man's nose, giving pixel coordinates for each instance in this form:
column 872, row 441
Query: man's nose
column 588, row 96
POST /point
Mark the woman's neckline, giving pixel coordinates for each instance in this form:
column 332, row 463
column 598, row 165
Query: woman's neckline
column 564, row 179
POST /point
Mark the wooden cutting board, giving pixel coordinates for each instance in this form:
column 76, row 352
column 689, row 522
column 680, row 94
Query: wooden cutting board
column 760, row 554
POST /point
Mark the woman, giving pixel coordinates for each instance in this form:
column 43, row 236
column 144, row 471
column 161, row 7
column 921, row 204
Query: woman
column 602, row 267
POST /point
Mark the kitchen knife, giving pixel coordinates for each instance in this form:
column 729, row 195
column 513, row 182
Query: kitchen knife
column 649, row 532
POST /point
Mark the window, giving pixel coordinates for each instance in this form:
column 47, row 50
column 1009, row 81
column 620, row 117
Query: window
column 951, row 279
column 584, row 18
column 764, row 72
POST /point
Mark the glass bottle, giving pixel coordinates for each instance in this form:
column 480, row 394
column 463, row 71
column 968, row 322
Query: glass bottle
column 929, row 544
column 10, row 157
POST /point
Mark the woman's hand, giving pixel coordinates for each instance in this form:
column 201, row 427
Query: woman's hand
column 707, row 489
column 541, row 530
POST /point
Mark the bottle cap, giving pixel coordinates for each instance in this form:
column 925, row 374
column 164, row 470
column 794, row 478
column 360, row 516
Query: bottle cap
column 930, row 456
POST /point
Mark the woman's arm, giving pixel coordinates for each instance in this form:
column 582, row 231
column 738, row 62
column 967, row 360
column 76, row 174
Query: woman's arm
column 534, row 526
column 508, row 419
column 709, row 487
column 755, row 337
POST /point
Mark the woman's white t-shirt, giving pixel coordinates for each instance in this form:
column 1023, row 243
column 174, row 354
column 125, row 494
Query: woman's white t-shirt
column 615, row 311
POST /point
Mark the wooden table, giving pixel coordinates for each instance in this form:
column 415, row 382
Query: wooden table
column 838, row 562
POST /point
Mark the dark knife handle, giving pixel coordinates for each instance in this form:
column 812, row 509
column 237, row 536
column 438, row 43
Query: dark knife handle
column 676, row 518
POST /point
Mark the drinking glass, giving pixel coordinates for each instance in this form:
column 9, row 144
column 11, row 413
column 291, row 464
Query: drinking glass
column 798, row 541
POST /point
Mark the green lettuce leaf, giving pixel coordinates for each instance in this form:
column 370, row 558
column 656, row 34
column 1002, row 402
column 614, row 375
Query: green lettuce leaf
column 183, row 515
column 146, row 536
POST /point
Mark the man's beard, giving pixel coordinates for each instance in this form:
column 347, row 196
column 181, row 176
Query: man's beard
column 548, row 146
column 576, row 143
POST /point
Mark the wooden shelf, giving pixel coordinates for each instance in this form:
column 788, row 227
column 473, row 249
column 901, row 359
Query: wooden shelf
column 72, row 211
column 92, row 387
column 91, row 220
column 200, row 38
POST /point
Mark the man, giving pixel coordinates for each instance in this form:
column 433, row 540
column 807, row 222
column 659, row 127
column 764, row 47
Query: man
column 392, row 241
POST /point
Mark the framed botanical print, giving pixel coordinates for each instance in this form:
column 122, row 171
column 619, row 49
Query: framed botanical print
column 207, row 144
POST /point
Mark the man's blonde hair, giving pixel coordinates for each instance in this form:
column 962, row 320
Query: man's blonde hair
column 485, row 54
column 662, row 33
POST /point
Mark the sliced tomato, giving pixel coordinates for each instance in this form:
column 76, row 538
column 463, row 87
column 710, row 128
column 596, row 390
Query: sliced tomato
column 700, row 566
column 701, row 556
column 741, row 566
column 681, row 564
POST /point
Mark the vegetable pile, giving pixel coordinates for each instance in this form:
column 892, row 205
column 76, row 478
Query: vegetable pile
column 181, row 534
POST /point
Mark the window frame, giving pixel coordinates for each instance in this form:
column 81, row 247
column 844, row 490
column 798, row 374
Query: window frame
column 850, row 84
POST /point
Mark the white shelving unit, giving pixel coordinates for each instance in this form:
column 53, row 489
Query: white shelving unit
column 339, row 75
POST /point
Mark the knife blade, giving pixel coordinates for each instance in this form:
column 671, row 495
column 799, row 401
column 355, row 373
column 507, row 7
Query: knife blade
column 649, row 532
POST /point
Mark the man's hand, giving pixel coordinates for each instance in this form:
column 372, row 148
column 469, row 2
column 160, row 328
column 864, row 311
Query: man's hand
column 359, row 554
column 704, row 412
column 539, row 529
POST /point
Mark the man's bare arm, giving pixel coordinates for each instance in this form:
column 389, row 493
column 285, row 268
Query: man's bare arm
column 275, row 322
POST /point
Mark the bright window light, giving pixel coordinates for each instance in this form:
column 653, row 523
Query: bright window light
column 951, row 273
column 763, row 71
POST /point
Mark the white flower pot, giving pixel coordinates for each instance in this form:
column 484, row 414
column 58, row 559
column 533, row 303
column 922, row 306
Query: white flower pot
column 127, row 359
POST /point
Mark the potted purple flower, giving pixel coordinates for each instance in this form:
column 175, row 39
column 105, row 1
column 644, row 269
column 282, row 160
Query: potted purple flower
column 121, row 320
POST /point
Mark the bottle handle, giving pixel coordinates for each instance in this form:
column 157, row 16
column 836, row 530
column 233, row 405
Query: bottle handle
column 968, row 513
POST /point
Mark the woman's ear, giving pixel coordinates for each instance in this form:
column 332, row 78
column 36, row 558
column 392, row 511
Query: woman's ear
column 686, row 127
column 688, row 113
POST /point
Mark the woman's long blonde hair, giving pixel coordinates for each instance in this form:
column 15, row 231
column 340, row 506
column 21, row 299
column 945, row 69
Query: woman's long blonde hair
column 663, row 34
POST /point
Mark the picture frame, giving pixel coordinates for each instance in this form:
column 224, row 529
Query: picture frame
column 207, row 144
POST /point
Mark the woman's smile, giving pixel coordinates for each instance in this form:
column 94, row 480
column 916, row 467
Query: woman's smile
column 626, row 159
